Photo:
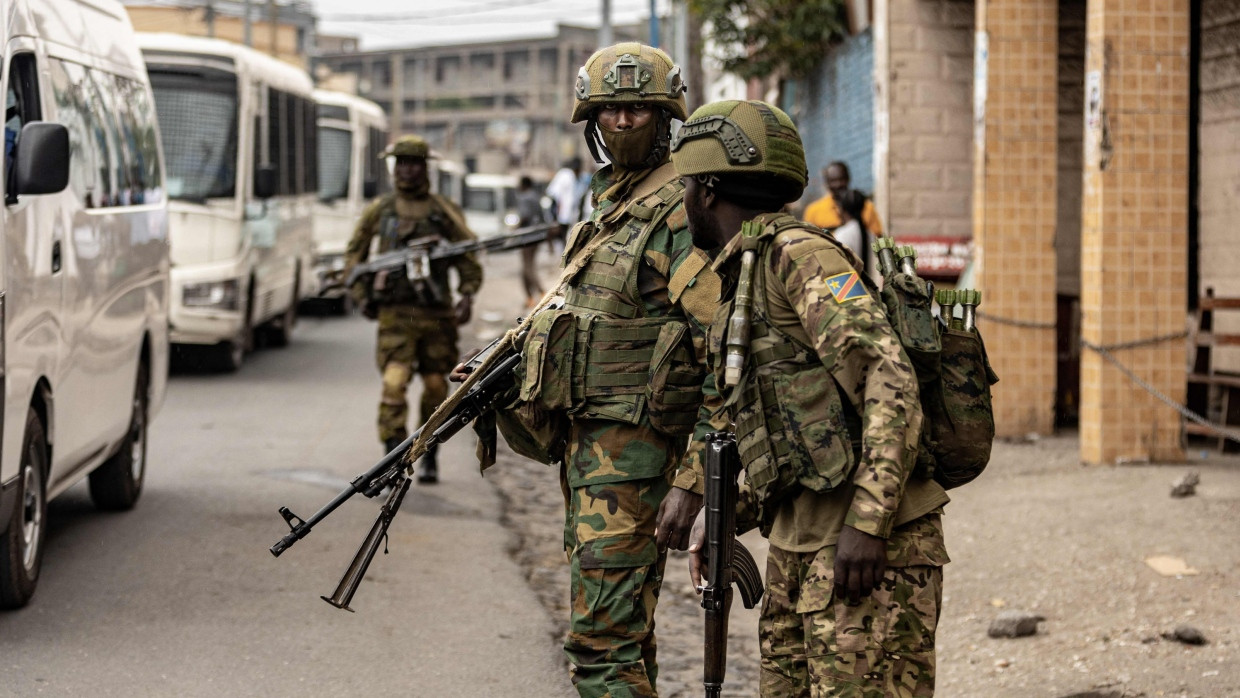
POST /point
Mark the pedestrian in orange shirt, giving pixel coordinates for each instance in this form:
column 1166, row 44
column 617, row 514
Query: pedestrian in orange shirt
column 825, row 212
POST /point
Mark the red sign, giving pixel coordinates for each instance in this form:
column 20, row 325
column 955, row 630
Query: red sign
column 938, row 256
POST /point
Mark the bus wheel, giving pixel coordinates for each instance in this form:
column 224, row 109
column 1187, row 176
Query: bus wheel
column 21, row 546
column 116, row 485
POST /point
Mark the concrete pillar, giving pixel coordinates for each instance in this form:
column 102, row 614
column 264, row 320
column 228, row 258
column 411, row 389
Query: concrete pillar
column 1134, row 221
column 1014, row 198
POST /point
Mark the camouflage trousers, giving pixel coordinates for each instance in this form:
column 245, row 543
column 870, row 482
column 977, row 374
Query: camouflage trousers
column 815, row 645
column 410, row 344
column 616, row 574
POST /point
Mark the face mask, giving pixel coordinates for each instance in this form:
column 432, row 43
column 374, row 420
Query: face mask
column 630, row 149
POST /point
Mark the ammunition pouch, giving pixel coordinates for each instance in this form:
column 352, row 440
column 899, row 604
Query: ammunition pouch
column 596, row 367
column 533, row 432
column 959, row 417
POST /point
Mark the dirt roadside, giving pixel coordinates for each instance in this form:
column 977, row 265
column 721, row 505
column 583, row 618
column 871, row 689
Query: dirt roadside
column 1037, row 532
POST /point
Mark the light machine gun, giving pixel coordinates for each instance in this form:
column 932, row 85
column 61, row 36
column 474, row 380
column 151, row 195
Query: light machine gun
column 414, row 260
column 491, row 378
column 727, row 561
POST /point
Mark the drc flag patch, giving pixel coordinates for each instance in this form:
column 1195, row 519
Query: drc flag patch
column 846, row 286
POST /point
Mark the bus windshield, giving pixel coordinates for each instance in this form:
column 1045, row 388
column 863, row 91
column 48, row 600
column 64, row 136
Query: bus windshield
column 197, row 109
column 335, row 151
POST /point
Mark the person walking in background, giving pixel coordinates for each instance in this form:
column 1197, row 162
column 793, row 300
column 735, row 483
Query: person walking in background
column 565, row 191
column 852, row 232
column 825, row 212
column 529, row 212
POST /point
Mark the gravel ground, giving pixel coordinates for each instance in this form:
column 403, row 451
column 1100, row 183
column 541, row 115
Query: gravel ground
column 1037, row 532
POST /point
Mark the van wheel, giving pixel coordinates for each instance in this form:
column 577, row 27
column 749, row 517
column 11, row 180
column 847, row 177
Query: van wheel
column 230, row 355
column 21, row 546
column 117, row 484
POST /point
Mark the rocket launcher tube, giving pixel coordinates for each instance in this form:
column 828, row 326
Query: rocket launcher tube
column 739, row 323
column 885, row 248
column 908, row 259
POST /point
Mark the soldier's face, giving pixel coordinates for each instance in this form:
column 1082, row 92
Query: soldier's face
column 409, row 171
column 622, row 117
column 703, row 227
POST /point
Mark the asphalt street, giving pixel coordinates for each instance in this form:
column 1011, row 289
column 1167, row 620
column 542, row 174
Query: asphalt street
column 180, row 597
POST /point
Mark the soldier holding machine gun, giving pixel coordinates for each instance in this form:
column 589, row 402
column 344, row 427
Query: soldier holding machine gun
column 825, row 407
column 417, row 319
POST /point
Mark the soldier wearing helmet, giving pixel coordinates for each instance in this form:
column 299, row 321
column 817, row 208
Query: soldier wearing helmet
column 856, row 541
column 417, row 323
column 624, row 410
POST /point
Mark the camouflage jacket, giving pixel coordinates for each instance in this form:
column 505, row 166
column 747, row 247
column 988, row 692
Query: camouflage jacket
column 810, row 292
column 672, row 280
column 394, row 220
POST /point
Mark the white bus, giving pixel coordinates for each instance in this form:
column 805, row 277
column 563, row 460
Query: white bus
column 239, row 135
column 352, row 134
column 84, row 270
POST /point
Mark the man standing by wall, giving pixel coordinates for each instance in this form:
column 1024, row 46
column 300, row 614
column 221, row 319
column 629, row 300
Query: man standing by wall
column 417, row 319
column 825, row 212
column 854, row 578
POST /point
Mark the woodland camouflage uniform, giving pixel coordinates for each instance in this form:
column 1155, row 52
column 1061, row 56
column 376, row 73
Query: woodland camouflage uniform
column 635, row 316
column 828, row 420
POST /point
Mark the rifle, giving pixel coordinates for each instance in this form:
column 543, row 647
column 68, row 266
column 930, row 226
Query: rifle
column 415, row 258
column 727, row 561
column 491, row 378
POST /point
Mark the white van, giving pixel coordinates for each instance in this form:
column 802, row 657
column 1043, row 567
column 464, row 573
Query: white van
column 84, row 270
column 238, row 129
column 352, row 134
column 490, row 203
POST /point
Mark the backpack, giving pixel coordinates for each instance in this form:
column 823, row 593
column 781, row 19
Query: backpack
column 952, row 369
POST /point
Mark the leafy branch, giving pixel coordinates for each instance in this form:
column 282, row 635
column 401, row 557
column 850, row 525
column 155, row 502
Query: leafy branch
column 756, row 38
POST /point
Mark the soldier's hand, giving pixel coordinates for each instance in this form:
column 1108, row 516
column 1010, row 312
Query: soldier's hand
column 464, row 309
column 675, row 519
column 462, row 371
column 697, row 552
column 860, row 561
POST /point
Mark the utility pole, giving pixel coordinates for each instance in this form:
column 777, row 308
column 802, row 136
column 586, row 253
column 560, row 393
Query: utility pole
column 605, row 37
column 208, row 15
column 248, row 30
column 654, row 24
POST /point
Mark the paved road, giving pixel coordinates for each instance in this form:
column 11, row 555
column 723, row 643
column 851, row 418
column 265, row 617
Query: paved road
column 180, row 597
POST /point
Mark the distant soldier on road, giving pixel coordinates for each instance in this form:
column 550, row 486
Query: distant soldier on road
column 827, row 417
column 417, row 322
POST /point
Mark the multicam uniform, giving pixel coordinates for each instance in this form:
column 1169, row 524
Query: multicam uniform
column 417, row 329
column 828, row 421
column 633, row 357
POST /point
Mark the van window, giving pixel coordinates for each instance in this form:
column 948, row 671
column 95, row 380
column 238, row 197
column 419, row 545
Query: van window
column 21, row 106
column 477, row 199
column 197, row 109
column 69, row 91
column 373, row 164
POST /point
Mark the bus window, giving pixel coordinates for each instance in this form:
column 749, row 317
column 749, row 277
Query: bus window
column 335, row 155
column 197, row 110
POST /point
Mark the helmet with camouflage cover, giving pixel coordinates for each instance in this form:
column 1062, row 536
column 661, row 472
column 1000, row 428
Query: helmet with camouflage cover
column 408, row 146
column 751, row 139
column 629, row 72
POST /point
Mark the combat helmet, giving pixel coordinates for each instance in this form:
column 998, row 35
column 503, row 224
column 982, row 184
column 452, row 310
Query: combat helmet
column 408, row 146
column 752, row 139
column 629, row 72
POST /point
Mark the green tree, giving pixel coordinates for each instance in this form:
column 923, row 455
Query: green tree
column 756, row 38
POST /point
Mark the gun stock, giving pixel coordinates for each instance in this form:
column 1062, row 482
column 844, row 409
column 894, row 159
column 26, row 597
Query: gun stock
column 727, row 561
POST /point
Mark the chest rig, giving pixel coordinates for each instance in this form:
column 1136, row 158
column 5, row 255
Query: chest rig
column 604, row 355
column 425, row 282
column 792, row 426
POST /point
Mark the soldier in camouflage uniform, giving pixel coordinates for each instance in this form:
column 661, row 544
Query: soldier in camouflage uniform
column 622, row 365
column 827, row 420
column 417, row 324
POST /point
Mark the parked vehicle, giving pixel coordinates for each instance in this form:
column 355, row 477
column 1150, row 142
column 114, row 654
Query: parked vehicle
column 352, row 134
column 84, row 270
column 239, row 131
column 490, row 203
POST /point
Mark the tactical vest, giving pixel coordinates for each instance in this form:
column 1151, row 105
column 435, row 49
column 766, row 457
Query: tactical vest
column 793, row 428
column 601, row 356
column 423, row 287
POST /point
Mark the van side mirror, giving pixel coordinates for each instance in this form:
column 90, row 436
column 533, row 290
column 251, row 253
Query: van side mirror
column 370, row 189
column 265, row 181
column 41, row 159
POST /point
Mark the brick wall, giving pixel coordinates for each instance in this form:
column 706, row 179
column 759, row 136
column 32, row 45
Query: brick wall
column 1219, row 195
column 930, row 171
column 836, row 114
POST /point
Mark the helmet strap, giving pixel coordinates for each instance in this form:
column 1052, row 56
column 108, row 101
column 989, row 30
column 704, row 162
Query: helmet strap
column 594, row 141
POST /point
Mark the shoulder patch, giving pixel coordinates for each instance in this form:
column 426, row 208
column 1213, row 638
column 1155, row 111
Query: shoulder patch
column 846, row 287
